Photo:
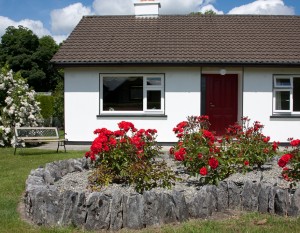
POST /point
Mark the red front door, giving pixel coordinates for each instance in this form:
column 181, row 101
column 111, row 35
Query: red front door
column 221, row 101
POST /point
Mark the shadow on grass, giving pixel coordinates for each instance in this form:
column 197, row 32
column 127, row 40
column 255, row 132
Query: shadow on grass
column 38, row 152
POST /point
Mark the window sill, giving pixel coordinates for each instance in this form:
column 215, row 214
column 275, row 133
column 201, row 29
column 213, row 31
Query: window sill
column 132, row 115
column 285, row 116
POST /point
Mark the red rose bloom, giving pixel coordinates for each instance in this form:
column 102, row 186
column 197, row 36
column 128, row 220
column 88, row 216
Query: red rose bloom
column 200, row 155
column 87, row 154
column 92, row 157
column 266, row 139
column 284, row 160
column 171, row 150
column 213, row 163
column 179, row 155
column 275, row 145
column 203, row 171
column 295, row 142
column 126, row 126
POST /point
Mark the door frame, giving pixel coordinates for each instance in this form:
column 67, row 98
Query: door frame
column 239, row 71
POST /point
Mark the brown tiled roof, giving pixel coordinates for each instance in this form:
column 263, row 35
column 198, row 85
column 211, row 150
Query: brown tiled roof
column 183, row 39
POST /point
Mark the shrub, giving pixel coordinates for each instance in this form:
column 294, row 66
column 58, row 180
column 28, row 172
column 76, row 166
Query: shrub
column 198, row 150
column 20, row 107
column 46, row 105
column 290, row 162
column 127, row 156
column 213, row 158
column 247, row 147
column 58, row 106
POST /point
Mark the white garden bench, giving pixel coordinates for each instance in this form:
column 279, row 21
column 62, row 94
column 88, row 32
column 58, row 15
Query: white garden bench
column 38, row 134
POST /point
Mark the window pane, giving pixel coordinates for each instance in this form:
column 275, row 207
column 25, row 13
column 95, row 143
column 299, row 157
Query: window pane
column 153, row 81
column 282, row 100
column 153, row 100
column 123, row 93
column 296, row 95
column 283, row 82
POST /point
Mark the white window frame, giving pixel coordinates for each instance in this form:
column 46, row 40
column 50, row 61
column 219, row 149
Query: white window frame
column 279, row 88
column 146, row 88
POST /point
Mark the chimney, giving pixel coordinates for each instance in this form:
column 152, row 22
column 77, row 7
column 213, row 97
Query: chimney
column 146, row 8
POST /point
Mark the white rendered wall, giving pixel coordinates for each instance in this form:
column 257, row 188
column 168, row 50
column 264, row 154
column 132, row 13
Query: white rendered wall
column 257, row 103
column 182, row 99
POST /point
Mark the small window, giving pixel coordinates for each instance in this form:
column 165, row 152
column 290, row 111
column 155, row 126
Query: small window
column 286, row 95
column 282, row 82
column 153, row 81
column 126, row 94
column 296, row 95
column 153, row 100
column 282, row 102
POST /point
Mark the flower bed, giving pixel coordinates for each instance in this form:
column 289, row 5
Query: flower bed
column 131, row 185
column 119, row 207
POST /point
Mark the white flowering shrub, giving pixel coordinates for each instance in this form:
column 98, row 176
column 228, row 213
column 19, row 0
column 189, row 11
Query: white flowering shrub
column 18, row 106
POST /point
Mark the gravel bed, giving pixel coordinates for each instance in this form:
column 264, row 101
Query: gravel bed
column 270, row 175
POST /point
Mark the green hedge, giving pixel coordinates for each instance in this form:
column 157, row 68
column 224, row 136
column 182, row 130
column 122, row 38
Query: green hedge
column 46, row 105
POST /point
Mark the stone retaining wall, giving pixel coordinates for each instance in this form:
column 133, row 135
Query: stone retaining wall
column 45, row 205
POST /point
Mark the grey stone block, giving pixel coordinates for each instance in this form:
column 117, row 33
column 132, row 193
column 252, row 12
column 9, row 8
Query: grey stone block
column 152, row 208
column 98, row 212
column 223, row 196
column 79, row 214
column 294, row 208
column 281, row 202
column 133, row 211
column 250, row 196
column 263, row 198
column 69, row 199
column 167, row 213
column 116, row 215
column 234, row 196
column 181, row 210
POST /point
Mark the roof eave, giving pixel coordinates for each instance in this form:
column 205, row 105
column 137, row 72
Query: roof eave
column 63, row 64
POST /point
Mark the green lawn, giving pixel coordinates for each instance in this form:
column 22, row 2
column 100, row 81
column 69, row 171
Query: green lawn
column 15, row 169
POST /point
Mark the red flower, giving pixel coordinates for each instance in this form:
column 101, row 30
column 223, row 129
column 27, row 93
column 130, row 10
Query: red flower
column 200, row 155
column 112, row 141
column 285, row 175
column 295, row 142
column 92, row 157
column 275, row 145
column 213, row 163
column 151, row 131
column 87, row 154
column 266, row 139
column 257, row 126
column 203, row 118
column 126, row 126
column 180, row 127
column 203, row 171
column 246, row 163
column 284, row 160
column 179, row 155
column 171, row 150
column 119, row 133
column 266, row 150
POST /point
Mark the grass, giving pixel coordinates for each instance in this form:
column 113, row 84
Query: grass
column 15, row 169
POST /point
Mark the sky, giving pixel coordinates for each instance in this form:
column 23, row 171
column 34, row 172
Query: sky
column 58, row 18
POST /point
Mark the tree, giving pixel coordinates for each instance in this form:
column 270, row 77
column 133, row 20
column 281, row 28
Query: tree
column 208, row 12
column 23, row 51
column 19, row 107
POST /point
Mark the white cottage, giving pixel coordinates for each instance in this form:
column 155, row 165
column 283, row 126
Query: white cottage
column 155, row 70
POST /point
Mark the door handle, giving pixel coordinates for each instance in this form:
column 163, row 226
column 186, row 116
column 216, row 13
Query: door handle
column 211, row 105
